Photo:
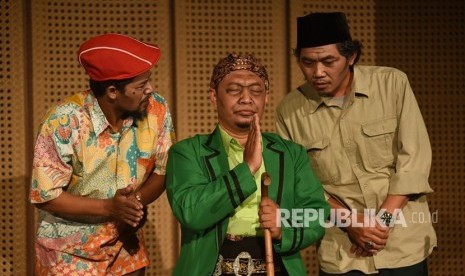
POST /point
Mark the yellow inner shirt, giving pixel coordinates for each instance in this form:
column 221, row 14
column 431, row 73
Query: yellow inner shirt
column 244, row 222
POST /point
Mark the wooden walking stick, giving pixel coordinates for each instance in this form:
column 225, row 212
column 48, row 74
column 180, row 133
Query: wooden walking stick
column 265, row 182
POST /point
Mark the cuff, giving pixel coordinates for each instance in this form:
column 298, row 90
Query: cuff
column 407, row 183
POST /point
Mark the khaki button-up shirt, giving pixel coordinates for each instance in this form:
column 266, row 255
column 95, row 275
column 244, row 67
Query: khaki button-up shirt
column 374, row 145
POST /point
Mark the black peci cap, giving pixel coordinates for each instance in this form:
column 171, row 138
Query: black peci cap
column 318, row 29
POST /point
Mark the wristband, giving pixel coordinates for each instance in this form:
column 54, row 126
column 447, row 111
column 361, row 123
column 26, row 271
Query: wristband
column 386, row 218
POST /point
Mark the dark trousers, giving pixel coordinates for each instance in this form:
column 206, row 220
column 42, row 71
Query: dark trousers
column 419, row 269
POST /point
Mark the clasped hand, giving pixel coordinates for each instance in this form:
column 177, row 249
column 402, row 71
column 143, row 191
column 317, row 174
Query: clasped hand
column 253, row 146
column 253, row 158
column 125, row 208
column 374, row 235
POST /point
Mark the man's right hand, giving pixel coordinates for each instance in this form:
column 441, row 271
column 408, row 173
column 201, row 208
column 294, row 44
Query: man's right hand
column 124, row 207
column 253, row 146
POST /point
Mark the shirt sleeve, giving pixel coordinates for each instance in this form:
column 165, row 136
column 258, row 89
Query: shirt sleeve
column 198, row 202
column 281, row 127
column 51, row 171
column 413, row 145
column 166, row 138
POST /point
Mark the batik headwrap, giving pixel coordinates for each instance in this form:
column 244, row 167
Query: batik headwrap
column 235, row 62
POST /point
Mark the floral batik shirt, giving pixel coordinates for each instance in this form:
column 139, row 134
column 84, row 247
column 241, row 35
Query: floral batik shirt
column 77, row 152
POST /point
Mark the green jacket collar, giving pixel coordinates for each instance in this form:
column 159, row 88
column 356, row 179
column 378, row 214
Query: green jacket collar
column 216, row 161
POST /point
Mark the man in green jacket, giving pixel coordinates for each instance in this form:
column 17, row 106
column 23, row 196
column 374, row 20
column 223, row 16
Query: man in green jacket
column 213, row 185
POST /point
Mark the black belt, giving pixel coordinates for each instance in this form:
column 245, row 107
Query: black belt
column 245, row 256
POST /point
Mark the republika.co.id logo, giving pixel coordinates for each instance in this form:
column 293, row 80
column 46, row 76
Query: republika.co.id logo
column 344, row 218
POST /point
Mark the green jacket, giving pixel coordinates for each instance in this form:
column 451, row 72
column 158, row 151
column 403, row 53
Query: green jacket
column 203, row 194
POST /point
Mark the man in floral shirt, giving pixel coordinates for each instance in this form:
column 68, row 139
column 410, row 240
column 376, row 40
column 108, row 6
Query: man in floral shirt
column 99, row 159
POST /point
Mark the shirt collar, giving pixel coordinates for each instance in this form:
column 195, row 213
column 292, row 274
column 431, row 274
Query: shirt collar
column 229, row 143
column 97, row 117
column 360, row 84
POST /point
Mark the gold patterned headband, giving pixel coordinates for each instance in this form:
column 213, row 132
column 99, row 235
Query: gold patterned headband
column 235, row 62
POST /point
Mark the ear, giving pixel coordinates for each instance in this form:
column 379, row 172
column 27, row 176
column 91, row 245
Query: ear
column 266, row 96
column 112, row 92
column 352, row 59
column 213, row 97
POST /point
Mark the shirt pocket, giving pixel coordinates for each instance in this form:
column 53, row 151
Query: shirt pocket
column 316, row 153
column 379, row 141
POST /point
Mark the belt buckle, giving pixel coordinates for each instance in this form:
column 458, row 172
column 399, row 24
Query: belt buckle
column 237, row 265
column 232, row 237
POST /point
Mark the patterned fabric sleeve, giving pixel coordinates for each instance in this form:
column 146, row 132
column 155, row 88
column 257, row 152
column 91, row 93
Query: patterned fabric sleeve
column 50, row 169
column 166, row 137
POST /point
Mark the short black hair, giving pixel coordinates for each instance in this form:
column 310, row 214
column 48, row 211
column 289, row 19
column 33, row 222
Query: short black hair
column 346, row 49
column 99, row 87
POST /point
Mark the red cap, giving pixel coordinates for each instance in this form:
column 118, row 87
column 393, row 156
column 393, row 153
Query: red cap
column 116, row 57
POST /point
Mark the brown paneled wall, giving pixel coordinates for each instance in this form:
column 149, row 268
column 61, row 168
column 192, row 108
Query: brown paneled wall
column 13, row 139
column 426, row 39
column 38, row 66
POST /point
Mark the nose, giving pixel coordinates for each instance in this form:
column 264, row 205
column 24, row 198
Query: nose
column 245, row 96
column 148, row 89
column 319, row 71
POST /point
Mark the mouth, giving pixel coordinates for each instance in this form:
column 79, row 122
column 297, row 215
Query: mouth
column 144, row 104
column 145, row 101
column 320, row 85
column 245, row 113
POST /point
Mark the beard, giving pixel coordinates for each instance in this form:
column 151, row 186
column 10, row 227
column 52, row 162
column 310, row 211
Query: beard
column 244, row 125
column 138, row 115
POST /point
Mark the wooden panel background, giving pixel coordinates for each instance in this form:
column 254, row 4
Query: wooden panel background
column 426, row 39
column 13, row 136
column 38, row 66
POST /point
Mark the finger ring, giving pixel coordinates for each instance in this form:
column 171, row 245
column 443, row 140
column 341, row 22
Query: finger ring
column 138, row 197
column 369, row 245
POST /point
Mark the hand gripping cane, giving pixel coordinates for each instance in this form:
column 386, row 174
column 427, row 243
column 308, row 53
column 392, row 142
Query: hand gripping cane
column 265, row 182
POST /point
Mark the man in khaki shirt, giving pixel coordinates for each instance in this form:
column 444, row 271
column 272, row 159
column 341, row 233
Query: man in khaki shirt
column 368, row 144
